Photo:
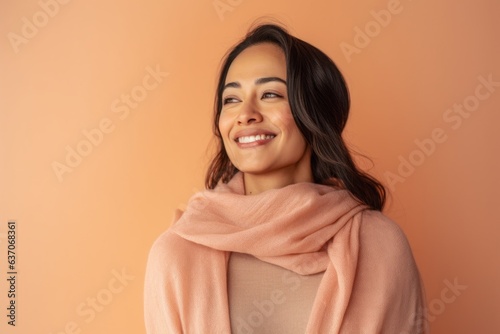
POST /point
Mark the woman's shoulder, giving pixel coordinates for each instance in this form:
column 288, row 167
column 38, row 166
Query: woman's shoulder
column 167, row 245
column 380, row 224
column 387, row 258
column 170, row 251
column 383, row 237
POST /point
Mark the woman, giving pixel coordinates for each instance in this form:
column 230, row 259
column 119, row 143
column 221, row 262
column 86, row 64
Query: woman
column 288, row 237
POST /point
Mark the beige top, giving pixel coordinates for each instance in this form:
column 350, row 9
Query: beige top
column 265, row 298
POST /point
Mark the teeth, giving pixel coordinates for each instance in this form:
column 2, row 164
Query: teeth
column 251, row 139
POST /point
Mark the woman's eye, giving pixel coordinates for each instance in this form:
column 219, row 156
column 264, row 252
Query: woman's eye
column 270, row 95
column 229, row 100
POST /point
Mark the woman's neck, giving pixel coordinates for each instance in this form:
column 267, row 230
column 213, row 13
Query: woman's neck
column 258, row 183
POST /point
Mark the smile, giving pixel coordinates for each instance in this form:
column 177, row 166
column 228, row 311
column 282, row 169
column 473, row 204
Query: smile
column 251, row 139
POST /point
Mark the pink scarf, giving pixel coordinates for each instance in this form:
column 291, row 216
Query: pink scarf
column 370, row 285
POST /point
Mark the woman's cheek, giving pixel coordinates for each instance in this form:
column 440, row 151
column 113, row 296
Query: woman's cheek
column 224, row 126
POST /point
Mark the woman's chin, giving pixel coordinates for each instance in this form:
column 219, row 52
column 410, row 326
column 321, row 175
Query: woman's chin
column 255, row 170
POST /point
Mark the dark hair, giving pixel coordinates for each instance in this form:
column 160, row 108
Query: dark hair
column 319, row 101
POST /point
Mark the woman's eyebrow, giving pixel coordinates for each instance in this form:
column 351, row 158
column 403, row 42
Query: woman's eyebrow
column 259, row 81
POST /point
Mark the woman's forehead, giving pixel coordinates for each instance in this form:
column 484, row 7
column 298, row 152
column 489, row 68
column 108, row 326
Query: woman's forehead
column 260, row 60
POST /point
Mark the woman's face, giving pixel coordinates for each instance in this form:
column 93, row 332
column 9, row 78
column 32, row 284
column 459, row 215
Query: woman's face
column 257, row 127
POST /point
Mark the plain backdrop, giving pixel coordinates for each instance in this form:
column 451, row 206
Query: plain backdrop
column 105, row 129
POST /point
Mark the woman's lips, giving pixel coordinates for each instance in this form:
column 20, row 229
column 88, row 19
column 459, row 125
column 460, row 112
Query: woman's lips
column 254, row 140
column 250, row 139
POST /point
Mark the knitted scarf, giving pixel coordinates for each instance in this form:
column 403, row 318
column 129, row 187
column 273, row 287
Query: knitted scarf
column 370, row 283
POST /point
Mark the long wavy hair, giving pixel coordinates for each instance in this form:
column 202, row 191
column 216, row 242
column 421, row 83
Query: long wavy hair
column 319, row 102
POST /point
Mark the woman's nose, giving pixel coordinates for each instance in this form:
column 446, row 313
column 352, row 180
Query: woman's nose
column 249, row 113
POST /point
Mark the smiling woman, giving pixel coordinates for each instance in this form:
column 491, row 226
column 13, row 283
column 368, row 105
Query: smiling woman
column 289, row 236
column 256, row 124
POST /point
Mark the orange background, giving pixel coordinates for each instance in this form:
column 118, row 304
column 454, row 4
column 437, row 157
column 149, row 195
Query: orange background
column 75, row 235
